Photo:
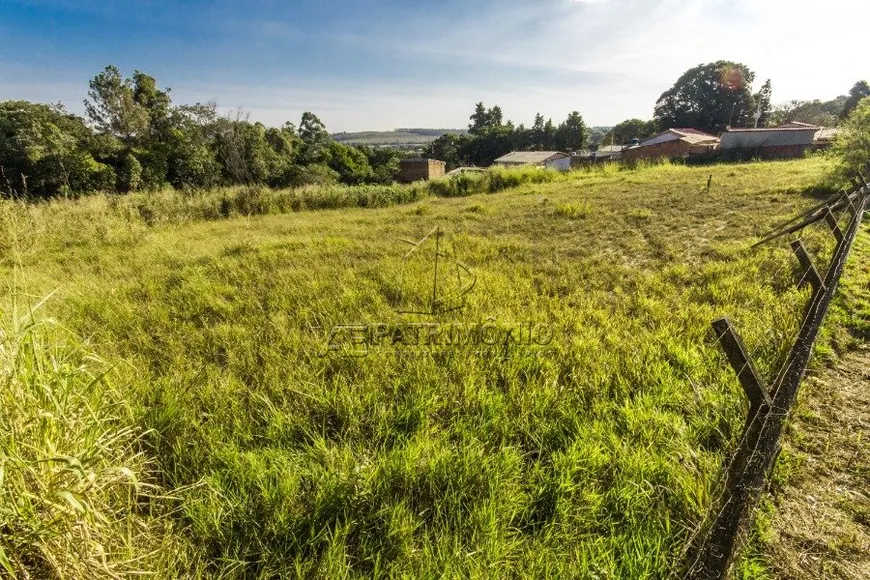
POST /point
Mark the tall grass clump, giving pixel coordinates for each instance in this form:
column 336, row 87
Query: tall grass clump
column 501, row 179
column 491, row 181
column 75, row 501
column 175, row 207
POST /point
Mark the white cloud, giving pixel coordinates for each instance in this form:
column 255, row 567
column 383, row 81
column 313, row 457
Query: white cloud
column 609, row 59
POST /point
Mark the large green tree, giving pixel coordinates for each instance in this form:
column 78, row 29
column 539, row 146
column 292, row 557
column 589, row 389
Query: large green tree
column 763, row 107
column 571, row 134
column 193, row 162
column 858, row 92
column 112, row 107
column 485, row 120
column 315, row 139
column 816, row 112
column 45, row 151
column 385, row 162
column 138, row 113
column 450, row 148
column 624, row 132
column 709, row 97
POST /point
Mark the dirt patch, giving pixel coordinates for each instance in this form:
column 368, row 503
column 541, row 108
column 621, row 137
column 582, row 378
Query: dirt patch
column 821, row 527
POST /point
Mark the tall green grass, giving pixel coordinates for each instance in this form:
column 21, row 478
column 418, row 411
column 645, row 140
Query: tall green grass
column 598, row 456
column 173, row 207
column 77, row 493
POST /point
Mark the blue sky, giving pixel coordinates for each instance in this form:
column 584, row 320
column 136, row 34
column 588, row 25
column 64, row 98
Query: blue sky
column 364, row 64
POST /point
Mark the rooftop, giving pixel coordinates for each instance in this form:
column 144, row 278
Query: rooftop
column 798, row 124
column 692, row 136
column 461, row 170
column 690, row 131
column 802, row 127
column 529, row 156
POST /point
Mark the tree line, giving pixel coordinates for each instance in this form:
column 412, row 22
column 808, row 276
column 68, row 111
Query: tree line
column 712, row 97
column 709, row 97
column 135, row 138
column 489, row 137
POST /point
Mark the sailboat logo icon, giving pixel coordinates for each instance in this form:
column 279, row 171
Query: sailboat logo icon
column 433, row 280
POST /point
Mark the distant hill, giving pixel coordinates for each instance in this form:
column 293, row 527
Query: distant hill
column 397, row 138
column 417, row 138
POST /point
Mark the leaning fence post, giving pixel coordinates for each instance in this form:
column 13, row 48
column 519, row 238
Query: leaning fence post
column 742, row 364
column 749, row 469
column 833, row 225
column 811, row 275
column 851, row 206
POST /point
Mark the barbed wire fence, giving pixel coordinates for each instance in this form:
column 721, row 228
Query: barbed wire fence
column 711, row 551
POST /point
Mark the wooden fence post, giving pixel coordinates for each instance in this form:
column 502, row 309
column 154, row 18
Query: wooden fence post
column 742, row 364
column 833, row 225
column 810, row 275
column 749, row 470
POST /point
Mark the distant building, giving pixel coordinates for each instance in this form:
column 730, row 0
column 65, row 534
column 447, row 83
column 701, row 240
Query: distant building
column 789, row 140
column 559, row 163
column 825, row 137
column 535, row 158
column 608, row 152
column 420, row 169
column 672, row 143
column 602, row 154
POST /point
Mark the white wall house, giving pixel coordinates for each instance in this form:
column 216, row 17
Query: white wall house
column 559, row 163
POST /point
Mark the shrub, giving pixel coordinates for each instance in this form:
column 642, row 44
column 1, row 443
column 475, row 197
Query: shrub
column 129, row 174
column 95, row 176
column 852, row 145
column 501, row 179
column 302, row 175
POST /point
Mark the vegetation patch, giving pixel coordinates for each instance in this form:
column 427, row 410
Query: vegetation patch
column 77, row 492
column 595, row 453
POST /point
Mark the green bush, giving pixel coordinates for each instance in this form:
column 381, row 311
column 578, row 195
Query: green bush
column 852, row 145
column 129, row 174
column 490, row 181
column 98, row 176
column 501, row 179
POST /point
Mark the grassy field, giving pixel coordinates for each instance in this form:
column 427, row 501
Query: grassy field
column 253, row 450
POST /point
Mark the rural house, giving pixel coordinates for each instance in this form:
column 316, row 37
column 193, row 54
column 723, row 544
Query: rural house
column 672, row 143
column 825, row 137
column 420, row 169
column 535, row 158
column 602, row 154
column 608, row 152
column 789, row 140
column 559, row 163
